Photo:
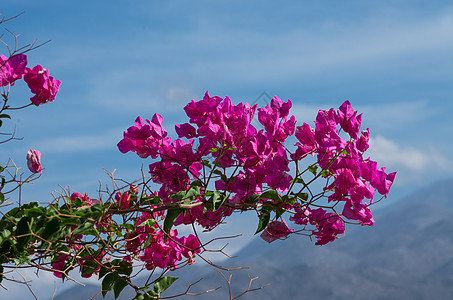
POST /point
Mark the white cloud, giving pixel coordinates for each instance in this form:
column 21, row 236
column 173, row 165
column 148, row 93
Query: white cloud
column 388, row 153
column 410, row 163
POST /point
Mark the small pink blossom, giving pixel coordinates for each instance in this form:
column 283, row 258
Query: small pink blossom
column 44, row 87
column 59, row 265
column 34, row 161
column 84, row 198
column 275, row 230
column 122, row 199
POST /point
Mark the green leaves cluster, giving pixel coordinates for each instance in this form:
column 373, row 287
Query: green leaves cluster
column 116, row 276
column 160, row 285
column 32, row 228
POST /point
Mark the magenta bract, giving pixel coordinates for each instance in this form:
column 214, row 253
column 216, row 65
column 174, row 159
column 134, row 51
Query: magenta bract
column 12, row 69
column 275, row 230
column 44, row 87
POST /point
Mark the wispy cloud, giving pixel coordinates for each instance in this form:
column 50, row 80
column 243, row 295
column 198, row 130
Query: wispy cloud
column 411, row 163
column 216, row 54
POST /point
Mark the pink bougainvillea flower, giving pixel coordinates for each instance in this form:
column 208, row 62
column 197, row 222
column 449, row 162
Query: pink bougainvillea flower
column 354, row 210
column 34, row 161
column 186, row 130
column 12, row 69
column 85, row 199
column 191, row 246
column 383, row 181
column 97, row 258
column 275, row 230
column 44, row 87
column 362, row 142
column 59, row 265
column 145, row 138
column 122, row 199
column 348, row 119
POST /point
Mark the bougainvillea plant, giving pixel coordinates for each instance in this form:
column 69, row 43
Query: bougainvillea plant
column 219, row 165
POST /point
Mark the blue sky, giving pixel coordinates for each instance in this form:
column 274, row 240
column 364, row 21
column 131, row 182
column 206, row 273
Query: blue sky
column 392, row 59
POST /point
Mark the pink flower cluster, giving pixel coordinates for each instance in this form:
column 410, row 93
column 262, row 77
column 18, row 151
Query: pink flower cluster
column 355, row 178
column 160, row 252
column 43, row 86
column 220, row 136
column 12, row 69
column 59, row 264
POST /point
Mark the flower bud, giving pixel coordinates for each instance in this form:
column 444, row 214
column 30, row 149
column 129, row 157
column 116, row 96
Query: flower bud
column 34, row 161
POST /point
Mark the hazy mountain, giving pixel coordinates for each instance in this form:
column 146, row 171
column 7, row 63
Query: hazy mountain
column 408, row 254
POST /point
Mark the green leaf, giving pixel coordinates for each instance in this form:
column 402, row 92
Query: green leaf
column 217, row 172
column 139, row 297
column 263, row 219
column 253, row 199
column 22, row 259
column 271, row 194
column 103, row 271
column 107, row 283
column 325, row 173
column 313, row 169
column 34, row 212
column 288, row 200
column 297, row 180
column 1, row 273
column 82, row 229
column 89, row 267
column 22, row 229
column 163, row 283
column 2, row 197
column 206, row 163
column 170, row 219
column 119, row 285
column 148, row 222
column 6, row 233
column 128, row 226
column 345, row 152
column 196, row 183
column 150, row 200
column 148, row 242
column 144, row 296
column 217, row 199
column 122, row 267
column 52, row 230
column 5, row 116
column 189, row 195
column 148, row 295
column 302, row 196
